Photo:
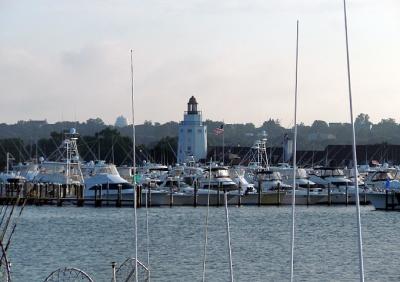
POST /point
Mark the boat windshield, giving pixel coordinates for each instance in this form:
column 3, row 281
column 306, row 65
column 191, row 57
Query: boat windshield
column 61, row 168
column 274, row 176
column 25, row 168
column 53, row 168
column 332, row 172
column 221, row 173
column 193, row 171
column 107, row 169
column 270, row 175
column 383, row 176
column 301, row 173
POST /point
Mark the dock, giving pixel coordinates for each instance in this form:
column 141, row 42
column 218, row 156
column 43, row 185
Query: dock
column 59, row 195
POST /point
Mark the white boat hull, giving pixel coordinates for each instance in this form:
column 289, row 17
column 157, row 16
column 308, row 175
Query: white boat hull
column 301, row 199
column 381, row 202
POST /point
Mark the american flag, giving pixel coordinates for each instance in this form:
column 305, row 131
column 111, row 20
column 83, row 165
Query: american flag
column 219, row 130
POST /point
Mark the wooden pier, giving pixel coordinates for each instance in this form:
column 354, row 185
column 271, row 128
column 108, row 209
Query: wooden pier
column 60, row 195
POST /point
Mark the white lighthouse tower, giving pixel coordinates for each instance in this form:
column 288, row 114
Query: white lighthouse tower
column 192, row 134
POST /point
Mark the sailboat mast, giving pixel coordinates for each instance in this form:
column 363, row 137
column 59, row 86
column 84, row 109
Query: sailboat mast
column 360, row 248
column 228, row 235
column 294, row 156
column 8, row 160
column 206, row 225
column 68, row 162
column 134, row 171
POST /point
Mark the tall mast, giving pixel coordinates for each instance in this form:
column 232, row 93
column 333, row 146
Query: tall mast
column 134, row 172
column 360, row 247
column 8, row 160
column 294, row 156
column 67, row 142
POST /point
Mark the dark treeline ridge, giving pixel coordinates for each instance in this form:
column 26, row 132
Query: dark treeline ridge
column 158, row 141
column 107, row 144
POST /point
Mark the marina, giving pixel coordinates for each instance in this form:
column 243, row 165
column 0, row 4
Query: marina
column 64, row 178
column 56, row 195
column 69, row 180
column 199, row 199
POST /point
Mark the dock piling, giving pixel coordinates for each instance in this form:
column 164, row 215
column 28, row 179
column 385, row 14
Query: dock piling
column 365, row 196
column 118, row 202
column 139, row 196
column 108, row 192
column 386, row 199
column 59, row 201
column 97, row 195
column 393, row 204
column 218, row 194
column 195, row 194
column 279, row 195
column 329, row 195
column 171, row 197
column 149, row 198
column 80, row 200
column 239, row 194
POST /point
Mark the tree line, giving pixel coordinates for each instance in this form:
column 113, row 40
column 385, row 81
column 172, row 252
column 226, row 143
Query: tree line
column 158, row 142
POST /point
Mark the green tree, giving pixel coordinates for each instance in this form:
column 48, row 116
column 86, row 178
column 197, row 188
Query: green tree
column 320, row 126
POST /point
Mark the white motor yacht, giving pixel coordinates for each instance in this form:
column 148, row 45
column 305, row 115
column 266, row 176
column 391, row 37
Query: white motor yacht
column 59, row 173
column 383, row 200
column 270, row 180
column 385, row 187
column 339, row 184
column 165, row 193
column 304, row 196
column 65, row 170
column 126, row 172
column 188, row 182
column 382, row 179
column 152, row 175
column 27, row 170
column 216, row 178
column 237, row 174
column 330, row 176
column 105, row 178
column 286, row 173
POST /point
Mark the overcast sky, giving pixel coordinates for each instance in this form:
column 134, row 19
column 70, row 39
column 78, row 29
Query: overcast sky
column 67, row 60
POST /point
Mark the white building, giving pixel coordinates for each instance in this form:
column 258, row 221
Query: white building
column 192, row 134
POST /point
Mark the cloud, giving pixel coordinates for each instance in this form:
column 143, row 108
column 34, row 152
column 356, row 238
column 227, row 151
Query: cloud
column 237, row 57
column 86, row 81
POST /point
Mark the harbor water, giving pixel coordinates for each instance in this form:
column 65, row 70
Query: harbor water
column 91, row 238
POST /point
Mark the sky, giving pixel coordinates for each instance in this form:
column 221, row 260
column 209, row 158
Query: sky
column 70, row 60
